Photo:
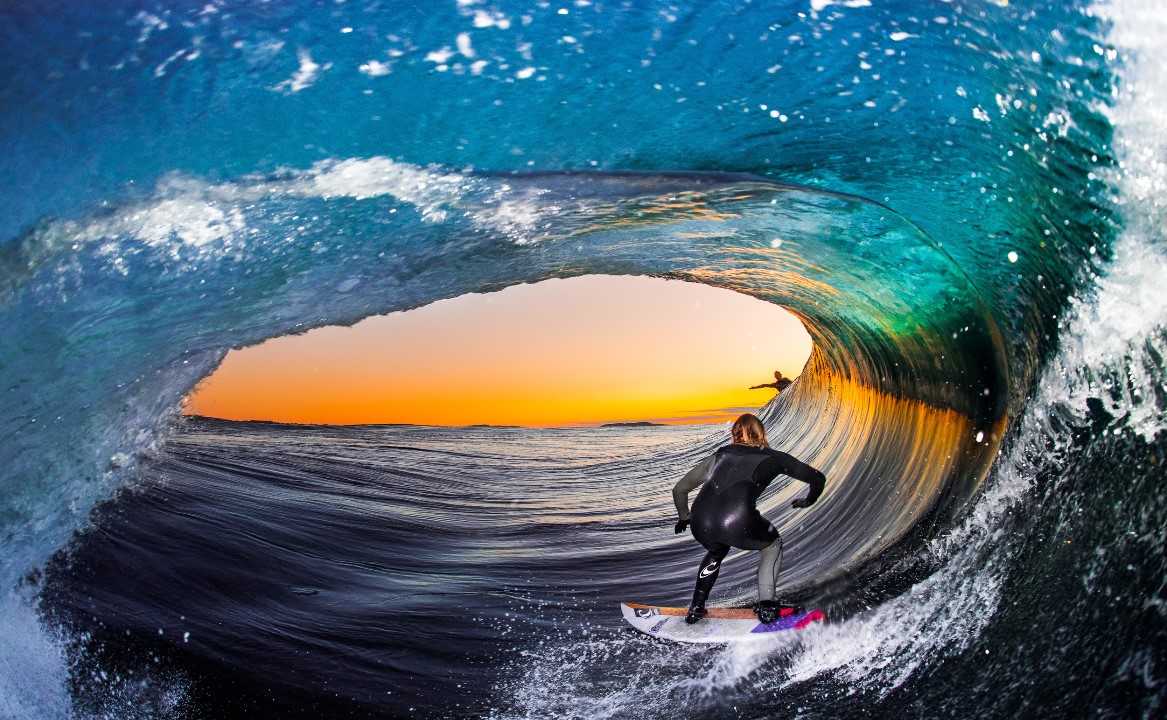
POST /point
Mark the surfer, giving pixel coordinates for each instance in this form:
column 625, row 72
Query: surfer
column 725, row 513
column 780, row 382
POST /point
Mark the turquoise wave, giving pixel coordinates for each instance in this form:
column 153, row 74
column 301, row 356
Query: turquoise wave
column 935, row 191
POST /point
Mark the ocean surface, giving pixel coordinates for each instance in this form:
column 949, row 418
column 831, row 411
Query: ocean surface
column 963, row 201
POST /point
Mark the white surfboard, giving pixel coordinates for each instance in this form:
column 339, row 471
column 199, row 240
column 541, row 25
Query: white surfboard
column 720, row 625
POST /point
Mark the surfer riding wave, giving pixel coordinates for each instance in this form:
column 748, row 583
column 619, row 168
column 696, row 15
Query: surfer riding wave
column 780, row 383
column 725, row 513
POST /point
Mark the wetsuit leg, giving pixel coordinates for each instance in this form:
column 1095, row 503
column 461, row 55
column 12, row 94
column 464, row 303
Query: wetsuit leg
column 707, row 575
column 768, row 570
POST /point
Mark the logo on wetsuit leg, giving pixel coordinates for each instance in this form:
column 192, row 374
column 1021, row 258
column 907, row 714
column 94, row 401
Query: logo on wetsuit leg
column 708, row 570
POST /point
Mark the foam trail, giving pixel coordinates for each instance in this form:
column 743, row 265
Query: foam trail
column 33, row 669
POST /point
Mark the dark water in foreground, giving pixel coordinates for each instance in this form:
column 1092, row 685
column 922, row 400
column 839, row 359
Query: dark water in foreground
column 391, row 566
column 261, row 570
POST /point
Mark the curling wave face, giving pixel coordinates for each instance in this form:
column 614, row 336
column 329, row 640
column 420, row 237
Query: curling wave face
column 985, row 127
column 902, row 403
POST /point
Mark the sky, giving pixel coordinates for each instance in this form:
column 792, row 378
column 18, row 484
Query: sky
column 580, row 351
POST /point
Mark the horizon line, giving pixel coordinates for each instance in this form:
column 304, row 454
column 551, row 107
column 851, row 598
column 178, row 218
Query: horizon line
column 657, row 422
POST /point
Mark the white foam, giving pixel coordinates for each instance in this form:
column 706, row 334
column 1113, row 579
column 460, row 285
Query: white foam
column 191, row 215
column 33, row 666
column 374, row 68
column 1115, row 334
column 186, row 214
column 491, row 18
column 431, row 192
column 819, row 5
column 434, row 193
column 465, row 46
column 150, row 23
column 161, row 69
column 189, row 220
column 304, row 77
column 440, row 56
column 940, row 616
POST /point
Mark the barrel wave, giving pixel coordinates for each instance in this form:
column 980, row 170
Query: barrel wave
column 966, row 220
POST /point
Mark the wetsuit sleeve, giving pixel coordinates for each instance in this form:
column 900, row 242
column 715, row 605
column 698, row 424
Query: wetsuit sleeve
column 801, row 471
column 692, row 479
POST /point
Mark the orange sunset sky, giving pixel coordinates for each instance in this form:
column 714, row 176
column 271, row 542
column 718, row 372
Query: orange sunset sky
column 580, row 351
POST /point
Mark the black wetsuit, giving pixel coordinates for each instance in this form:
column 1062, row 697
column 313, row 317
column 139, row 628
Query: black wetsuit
column 725, row 513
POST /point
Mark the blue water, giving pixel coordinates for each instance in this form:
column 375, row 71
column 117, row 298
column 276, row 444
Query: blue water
column 962, row 201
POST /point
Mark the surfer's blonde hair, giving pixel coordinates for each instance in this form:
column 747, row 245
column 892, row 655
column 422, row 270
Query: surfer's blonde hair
column 748, row 430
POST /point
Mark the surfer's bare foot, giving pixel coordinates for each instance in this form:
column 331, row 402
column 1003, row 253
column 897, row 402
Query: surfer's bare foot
column 696, row 612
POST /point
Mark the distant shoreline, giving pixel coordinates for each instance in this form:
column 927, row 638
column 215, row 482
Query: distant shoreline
column 641, row 423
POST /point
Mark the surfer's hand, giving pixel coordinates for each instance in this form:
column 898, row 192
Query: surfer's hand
column 799, row 503
column 680, row 526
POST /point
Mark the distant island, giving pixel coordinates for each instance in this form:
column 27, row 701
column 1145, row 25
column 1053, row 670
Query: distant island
column 642, row 423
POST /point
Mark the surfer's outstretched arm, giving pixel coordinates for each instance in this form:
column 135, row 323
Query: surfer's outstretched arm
column 801, row 471
column 681, row 490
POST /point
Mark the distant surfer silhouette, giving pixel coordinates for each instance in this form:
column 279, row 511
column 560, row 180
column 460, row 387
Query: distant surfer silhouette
column 780, row 383
column 725, row 513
